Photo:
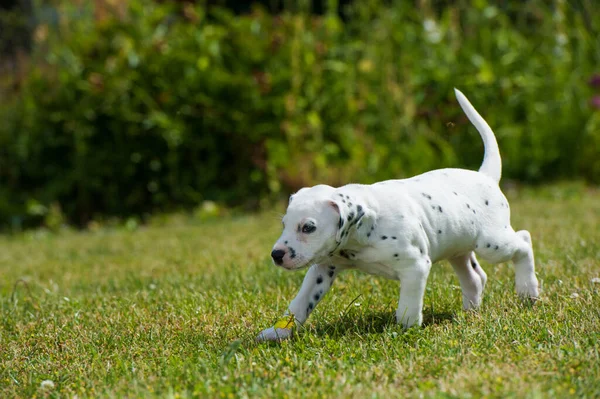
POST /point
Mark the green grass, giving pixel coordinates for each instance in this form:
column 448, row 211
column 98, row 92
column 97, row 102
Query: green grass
column 172, row 309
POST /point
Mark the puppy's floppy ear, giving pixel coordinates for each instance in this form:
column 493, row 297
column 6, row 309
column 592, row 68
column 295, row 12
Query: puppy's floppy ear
column 342, row 210
column 356, row 214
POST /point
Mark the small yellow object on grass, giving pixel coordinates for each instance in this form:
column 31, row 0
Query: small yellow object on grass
column 285, row 322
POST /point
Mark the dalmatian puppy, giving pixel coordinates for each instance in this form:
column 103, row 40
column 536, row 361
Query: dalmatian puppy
column 398, row 229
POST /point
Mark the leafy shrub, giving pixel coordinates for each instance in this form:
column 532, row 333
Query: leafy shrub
column 155, row 106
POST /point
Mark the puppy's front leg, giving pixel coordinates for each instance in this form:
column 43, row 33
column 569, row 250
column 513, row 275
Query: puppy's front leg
column 412, row 289
column 317, row 282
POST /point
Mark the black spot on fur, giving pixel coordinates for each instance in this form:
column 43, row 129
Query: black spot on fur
column 347, row 197
column 496, row 247
column 331, row 267
column 454, row 192
column 440, row 209
column 474, row 212
column 350, row 204
column 358, row 208
column 372, row 228
column 421, row 249
column 426, row 195
column 285, row 242
column 487, row 202
column 395, row 255
column 292, row 252
column 343, row 200
column 341, row 195
column 488, row 245
column 359, row 225
column 317, row 296
column 368, row 234
column 311, row 305
column 319, row 279
column 439, row 231
column 384, row 237
column 340, row 223
column 468, row 206
column 433, row 207
column 393, row 237
column 331, row 273
column 350, row 216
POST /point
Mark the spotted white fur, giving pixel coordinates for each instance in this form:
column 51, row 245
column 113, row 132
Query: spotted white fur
column 399, row 228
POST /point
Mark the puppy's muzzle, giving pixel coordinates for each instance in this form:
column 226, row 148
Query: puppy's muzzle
column 277, row 255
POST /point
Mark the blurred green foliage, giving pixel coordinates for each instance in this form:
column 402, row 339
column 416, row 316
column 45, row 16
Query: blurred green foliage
column 159, row 106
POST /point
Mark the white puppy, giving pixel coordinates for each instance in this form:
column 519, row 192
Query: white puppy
column 398, row 229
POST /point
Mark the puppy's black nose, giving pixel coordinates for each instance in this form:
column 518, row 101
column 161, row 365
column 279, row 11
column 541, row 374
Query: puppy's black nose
column 278, row 255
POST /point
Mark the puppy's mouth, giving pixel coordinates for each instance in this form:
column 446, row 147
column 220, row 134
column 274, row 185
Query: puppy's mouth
column 289, row 263
column 294, row 261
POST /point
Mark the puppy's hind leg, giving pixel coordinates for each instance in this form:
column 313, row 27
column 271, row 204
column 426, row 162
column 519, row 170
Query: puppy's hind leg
column 472, row 279
column 477, row 267
column 526, row 282
column 515, row 246
column 316, row 284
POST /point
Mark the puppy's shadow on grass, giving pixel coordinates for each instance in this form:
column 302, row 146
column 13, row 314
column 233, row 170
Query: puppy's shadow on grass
column 373, row 323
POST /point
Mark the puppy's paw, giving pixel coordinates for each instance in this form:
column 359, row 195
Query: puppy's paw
column 274, row 334
column 408, row 320
column 471, row 303
column 529, row 293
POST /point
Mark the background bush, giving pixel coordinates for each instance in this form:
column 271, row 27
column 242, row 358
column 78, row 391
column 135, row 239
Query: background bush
column 148, row 106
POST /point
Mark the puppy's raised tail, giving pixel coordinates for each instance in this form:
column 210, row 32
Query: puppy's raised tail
column 492, row 164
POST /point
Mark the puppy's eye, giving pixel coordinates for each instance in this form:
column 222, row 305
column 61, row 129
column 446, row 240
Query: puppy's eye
column 308, row 228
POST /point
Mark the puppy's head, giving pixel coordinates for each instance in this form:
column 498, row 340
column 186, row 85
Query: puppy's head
column 315, row 224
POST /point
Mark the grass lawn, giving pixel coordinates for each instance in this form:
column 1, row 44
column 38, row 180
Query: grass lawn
column 171, row 310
